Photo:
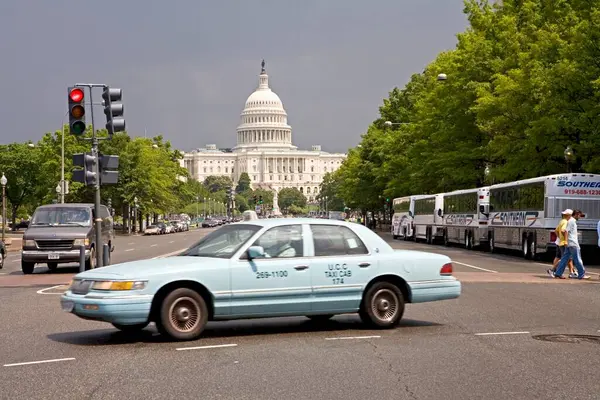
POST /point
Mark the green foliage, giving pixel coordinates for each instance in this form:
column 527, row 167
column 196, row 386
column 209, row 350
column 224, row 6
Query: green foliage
column 522, row 85
column 218, row 183
column 243, row 183
column 288, row 197
column 330, row 189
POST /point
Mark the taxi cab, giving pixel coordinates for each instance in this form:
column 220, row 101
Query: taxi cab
column 257, row 268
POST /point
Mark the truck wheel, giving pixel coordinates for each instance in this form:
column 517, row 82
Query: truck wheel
column 90, row 263
column 52, row 266
column 27, row 267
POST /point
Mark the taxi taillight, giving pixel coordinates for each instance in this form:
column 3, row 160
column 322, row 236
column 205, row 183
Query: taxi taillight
column 446, row 269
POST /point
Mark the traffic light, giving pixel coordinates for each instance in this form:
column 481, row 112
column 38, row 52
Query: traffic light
column 260, row 200
column 255, row 199
column 113, row 109
column 108, row 163
column 76, row 104
column 231, row 193
column 87, row 175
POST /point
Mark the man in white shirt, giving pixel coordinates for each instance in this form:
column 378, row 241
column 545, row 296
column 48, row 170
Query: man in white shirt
column 572, row 249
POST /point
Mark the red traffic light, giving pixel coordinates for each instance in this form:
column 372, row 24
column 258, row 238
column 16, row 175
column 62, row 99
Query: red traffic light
column 76, row 95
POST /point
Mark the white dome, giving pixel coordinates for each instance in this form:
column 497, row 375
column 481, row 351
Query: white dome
column 264, row 120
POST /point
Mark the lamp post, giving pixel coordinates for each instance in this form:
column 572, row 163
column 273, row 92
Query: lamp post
column 204, row 208
column 568, row 157
column 58, row 192
column 3, row 181
column 197, row 211
column 135, row 206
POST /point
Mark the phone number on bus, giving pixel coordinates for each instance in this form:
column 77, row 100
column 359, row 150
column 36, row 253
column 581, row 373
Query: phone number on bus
column 583, row 192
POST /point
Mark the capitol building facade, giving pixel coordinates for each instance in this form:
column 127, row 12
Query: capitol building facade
column 265, row 150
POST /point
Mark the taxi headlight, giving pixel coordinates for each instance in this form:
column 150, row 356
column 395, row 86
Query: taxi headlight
column 81, row 242
column 119, row 285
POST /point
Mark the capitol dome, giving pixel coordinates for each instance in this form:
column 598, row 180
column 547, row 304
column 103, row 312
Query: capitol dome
column 264, row 120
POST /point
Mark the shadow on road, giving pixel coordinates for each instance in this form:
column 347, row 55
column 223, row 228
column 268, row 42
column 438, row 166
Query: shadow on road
column 230, row 329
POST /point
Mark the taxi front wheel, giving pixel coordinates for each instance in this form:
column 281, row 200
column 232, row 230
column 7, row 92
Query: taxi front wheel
column 382, row 305
column 183, row 315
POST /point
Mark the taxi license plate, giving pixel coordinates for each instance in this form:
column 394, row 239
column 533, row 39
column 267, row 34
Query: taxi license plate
column 53, row 256
column 67, row 306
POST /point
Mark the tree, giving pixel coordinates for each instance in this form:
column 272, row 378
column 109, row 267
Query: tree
column 291, row 196
column 330, row 188
column 241, row 203
column 244, row 183
column 217, row 183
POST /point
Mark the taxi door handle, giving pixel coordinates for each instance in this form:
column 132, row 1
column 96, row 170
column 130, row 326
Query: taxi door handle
column 364, row 265
column 301, row 267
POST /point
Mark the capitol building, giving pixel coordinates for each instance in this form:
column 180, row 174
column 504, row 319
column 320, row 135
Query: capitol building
column 265, row 150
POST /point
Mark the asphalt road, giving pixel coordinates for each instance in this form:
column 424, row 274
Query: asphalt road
column 482, row 345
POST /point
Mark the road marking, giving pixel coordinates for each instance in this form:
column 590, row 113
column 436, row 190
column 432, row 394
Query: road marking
column 474, row 267
column 131, row 243
column 43, row 291
column 172, row 241
column 170, row 254
column 500, row 333
column 16, row 261
column 39, row 362
column 216, row 346
column 153, row 245
column 353, row 337
column 130, row 250
column 550, row 265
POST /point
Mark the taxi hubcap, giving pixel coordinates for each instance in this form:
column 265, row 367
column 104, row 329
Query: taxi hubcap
column 184, row 314
column 385, row 305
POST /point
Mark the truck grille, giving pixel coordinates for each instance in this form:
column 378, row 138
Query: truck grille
column 62, row 244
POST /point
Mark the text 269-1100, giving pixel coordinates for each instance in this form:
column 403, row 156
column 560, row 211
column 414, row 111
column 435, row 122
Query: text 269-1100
column 274, row 274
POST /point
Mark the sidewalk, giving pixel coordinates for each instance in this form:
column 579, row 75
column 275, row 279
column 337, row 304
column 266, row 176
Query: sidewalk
column 516, row 277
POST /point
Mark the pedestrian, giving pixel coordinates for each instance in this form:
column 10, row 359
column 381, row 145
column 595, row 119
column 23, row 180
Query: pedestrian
column 598, row 231
column 561, row 243
column 572, row 250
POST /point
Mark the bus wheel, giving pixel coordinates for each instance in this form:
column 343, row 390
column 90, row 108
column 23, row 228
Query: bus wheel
column 446, row 241
column 491, row 246
column 532, row 247
column 525, row 246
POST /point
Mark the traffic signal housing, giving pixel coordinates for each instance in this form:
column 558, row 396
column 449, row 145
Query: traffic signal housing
column 113, row 109
column 88, row 173
column 76, row 103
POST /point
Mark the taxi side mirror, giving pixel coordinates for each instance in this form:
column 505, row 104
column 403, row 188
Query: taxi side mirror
column 255, row 252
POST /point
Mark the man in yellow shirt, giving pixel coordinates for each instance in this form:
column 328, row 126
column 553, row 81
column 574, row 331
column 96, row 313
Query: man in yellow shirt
column 561, row 243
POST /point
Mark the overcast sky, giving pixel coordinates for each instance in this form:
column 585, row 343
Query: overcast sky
column 186, row 67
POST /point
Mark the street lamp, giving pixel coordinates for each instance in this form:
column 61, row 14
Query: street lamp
column 390, row 123
column 442, row 77
column 135, row 206
column 204, row 208
column 31, row 145
column 3, row 182
column 568, row 157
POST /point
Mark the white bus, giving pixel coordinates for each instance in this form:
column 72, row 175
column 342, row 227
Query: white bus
column 402, row 220
column 523, row 214
column 465, row 217
column 428, row 222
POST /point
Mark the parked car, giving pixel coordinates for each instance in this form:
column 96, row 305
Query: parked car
column 152, row 230
column 58, row 231
column 265, row 268
column 162, row 228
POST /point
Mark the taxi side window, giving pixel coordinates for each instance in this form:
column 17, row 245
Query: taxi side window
column 282, row 242
column 332, row 240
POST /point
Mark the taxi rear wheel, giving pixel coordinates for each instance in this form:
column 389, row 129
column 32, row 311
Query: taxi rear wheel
column 183, row 315
column 382, row 306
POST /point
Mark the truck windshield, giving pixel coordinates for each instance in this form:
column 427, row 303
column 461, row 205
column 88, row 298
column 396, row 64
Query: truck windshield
column 61, row 216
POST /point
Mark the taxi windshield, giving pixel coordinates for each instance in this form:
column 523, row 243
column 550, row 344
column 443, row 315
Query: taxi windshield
column 222, row 243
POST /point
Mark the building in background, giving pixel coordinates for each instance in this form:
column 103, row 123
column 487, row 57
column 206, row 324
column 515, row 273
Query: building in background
column 265, row 150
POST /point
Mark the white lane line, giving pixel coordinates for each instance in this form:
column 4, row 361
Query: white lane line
column 43, row 291
column 352, row 337
column 216, row 346
column 153, row 245
column 16, row 261
column 170, row 254
column 172, row 241
column 130, row 250
column 39, row 362
column 130, row 243
column 500, row 333
column 550, row 266
column 474, row 267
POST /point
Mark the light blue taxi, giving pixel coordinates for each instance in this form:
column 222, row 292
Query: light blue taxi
column 264, row 268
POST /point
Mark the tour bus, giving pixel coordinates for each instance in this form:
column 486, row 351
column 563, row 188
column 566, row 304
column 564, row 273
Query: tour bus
column 401, row 220
column 428, row 222
column 523, row 214
column 465, row 217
